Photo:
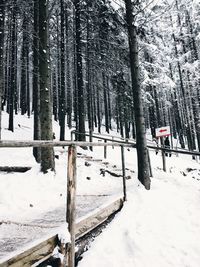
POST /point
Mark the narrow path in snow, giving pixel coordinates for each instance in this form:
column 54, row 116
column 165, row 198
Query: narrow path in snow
column 14, row 236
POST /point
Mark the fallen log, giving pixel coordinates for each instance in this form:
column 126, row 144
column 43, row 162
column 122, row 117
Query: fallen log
column 14, row 169
column 103, row 171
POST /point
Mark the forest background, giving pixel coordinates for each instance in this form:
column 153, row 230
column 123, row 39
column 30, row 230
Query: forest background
column 70, row 59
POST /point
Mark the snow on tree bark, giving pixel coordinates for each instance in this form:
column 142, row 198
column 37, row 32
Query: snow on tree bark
column 36, row 91
column 2, row 18
column 47, row 155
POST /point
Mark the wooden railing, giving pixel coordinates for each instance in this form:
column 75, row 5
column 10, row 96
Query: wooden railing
column 133, row 144
column 42, row 250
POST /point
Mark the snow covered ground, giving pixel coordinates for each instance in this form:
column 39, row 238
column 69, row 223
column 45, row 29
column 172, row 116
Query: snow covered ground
column 160, row 227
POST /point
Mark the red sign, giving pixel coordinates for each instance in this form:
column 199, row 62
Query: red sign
column 163, row 131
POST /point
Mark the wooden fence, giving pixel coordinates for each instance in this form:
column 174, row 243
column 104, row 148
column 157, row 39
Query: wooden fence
column 43, row 250
column 133, row 144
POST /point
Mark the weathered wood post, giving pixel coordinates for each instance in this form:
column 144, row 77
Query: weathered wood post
column 149, row 160
column 72, row 132
column 163, row 154
column 105, row 150
column 123, row 173
column 71, row 202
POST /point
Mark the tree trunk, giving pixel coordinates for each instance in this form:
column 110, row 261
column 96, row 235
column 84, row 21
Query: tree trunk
column 36, row 92
column 68, row 67
column 58, row 73
column 177, row 116
column 98, row 111
column 195, row 110
column 8, row 62
column 15, row 105
column 12, row 69
column 185, row 106
column 133, row 123
column 105, row 101
column 79, row 72
column 2, row 19
column 109, row 105
column 6, row 68
column 142, row 153
column 62, row 107
column 47, row 155
column 23, row 95
column 27, row 82
column 88, row 76
column 55, row 96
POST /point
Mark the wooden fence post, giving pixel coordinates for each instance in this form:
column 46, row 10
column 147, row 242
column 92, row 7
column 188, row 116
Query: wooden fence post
column 123, row 173
column 105, row 150
column 72, row 132
column 163, row 155
column 149, row 160
column 112, row 141
column 90, row 139
column 71, row 202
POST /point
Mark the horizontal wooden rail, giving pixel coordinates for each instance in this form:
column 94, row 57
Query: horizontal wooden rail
column 134, row 144
column 186, row 152
column 102, row 136
column 43, row 250
column 40, row 143
column 105, row 138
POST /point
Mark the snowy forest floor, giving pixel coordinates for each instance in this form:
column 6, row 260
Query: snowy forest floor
column 156, row 228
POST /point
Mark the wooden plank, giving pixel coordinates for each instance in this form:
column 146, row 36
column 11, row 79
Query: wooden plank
column 32, row 255
column 91, row 222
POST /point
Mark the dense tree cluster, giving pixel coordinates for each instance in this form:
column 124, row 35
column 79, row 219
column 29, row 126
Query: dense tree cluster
column 171, row 69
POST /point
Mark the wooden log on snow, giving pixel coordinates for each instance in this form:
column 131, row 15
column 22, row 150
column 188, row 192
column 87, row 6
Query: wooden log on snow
column 14, row 169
